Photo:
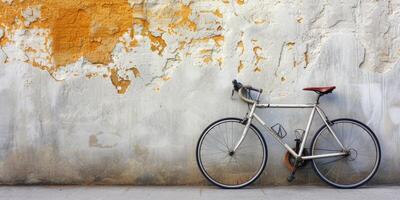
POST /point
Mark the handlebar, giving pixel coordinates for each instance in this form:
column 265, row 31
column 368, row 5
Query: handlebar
column 240, row 88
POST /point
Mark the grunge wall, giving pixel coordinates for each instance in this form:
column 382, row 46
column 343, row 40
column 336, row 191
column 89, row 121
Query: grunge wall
column 118, row 91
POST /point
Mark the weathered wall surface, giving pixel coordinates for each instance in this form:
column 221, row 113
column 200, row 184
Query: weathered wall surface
column 118, row 91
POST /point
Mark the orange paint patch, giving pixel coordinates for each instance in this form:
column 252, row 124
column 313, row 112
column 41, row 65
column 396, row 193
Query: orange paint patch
column 240, row 67
column 218, row 13
column 157, row 43
column 184, row 21
column 257, row 53
column 260, row 21
column 4, row 40
column 306, row 59
column 88, row 28
column 257, row 69
column 240, row 46
column 240, row 2
column 135, row 72
column 120, row 84
column 218, row 39
column 166, row 78
column 207, row 59
column 290, row 45
column 79, row 28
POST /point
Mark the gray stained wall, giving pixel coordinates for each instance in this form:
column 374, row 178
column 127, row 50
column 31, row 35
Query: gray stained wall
column 89, row 120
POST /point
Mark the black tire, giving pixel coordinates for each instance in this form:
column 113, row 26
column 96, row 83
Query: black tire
column 360, row 175
column 213, row 178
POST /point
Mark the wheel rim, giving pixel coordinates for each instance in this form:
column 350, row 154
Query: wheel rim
column 223, row 168
column 361, row 162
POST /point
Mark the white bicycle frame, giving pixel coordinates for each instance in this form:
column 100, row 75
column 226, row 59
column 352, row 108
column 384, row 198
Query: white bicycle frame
column 315, row 108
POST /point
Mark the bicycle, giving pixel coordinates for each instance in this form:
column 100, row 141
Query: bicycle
column 232, row 152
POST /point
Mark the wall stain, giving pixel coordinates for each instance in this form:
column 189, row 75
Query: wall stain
column 240, row 47
column 240, row 67
column 184, row 21
column 257, row 50
column 218, row 13
column 306, row 59
column 290, row 45
column 240, row 2
column 120, row 83
column 93, row 142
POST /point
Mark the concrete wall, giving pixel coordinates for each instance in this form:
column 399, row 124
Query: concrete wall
column 118, row 92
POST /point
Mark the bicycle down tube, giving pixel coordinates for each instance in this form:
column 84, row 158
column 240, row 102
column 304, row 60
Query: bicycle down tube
column 314, row 107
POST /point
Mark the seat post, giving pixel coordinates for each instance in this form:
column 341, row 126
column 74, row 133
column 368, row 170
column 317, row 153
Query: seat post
column 319, row 96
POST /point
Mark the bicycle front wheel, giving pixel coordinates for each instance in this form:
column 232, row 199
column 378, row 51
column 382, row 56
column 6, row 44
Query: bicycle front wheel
column 224, row 168
column 362, row 159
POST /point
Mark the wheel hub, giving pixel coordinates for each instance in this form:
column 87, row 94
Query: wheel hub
column 352, row 154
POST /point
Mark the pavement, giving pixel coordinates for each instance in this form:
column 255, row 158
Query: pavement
column 193, row 193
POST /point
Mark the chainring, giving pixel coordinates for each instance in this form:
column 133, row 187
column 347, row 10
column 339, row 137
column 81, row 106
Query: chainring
column 289, row 160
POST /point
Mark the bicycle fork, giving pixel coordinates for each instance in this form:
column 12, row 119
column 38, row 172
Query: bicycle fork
column 248, row 120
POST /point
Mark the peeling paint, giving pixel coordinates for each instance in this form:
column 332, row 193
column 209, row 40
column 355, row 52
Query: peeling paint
column 290, row 45
column 218, row 13
column 184, row 21
column 240, row 2
column 120, row 84
column 240, row 67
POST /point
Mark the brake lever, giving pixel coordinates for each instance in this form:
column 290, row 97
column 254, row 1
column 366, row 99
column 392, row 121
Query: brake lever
column 233, row 92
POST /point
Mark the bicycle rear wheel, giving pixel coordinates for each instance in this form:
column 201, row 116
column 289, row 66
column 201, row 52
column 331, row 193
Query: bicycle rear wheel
column 219, row 165
column 354, row 169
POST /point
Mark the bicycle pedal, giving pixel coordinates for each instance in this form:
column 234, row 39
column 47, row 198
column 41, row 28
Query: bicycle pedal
column 290, row 178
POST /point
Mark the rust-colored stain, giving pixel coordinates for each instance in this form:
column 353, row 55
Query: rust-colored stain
column 260, row 21
column 306, row 59
column 3, row 36
column 218, row 39
column 240, row 2
column 257, row 69
column 94, row 142
column 157, row 43
column 166, row 78
column 207, row 58
column 240, row 46
column 218, row 13
column 299, row 20
column 240, row 67
column 184, row 19
column 120, row 83
column 135, row 72
column 257, row 53
column 290, row 45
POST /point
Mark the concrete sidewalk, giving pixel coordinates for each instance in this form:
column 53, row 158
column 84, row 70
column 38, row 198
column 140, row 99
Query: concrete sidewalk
column 192, row 193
